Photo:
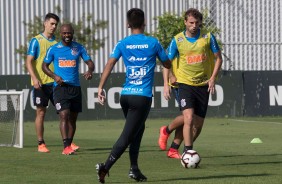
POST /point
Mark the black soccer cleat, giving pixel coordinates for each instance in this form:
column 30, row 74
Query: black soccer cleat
column 101, row 172
column 137, row 175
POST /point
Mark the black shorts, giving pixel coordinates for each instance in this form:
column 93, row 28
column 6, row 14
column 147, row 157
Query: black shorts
column 68, row 97
column 195, row 97
column 175, row 92
column 42, row 96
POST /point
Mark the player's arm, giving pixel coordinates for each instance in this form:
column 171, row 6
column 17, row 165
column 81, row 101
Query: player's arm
column 32, row 50
column 166, row 83
column 218, row 62
column 106, row 73
column 47, row 71
column 45, row 67
column 88, row 74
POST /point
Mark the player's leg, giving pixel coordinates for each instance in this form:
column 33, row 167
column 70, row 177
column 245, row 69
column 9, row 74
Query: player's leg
column 76, row 107
column 141, row 114
column 178, row 138
column 197, row 126
column 40, row 100
column 201, row 105
column 187, row 102
column 62, row 104
column 165, row 131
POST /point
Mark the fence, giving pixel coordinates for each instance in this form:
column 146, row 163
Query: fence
column 250, row 29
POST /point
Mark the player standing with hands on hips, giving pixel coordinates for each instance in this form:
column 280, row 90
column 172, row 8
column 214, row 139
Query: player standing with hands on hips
column 199, row 63
column 65, row 56
column 139, row 54
column 42, row 84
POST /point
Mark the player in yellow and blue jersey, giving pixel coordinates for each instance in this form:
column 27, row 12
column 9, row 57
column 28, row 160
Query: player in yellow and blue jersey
column 197, row 68
column 42, row 84
column 65, row 56
column 139, row 53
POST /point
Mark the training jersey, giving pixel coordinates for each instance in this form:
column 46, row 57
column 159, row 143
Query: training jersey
column 66, row 61
column 139, row 53
column 196, row 57
column 37, row 48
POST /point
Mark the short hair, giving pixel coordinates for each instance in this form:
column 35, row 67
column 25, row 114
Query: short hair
column 135, row 18
column 194, row 13
column 53, row 16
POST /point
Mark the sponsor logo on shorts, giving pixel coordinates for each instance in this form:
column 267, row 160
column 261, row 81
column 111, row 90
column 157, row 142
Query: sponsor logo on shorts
column 183, row 102
column 38, row 100
column 58, row 106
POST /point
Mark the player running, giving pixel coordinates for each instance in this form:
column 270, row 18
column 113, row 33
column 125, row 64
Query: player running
column 139, row 53
column 199, row 63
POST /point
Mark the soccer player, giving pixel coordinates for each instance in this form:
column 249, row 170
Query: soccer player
column 170, row 85
column 199, row 63
column 139, row 53
column 42, row 84
column 65, row 56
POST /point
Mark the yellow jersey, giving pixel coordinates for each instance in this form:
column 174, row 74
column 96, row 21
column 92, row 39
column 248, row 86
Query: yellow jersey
column 41, row 48
column 196, row 60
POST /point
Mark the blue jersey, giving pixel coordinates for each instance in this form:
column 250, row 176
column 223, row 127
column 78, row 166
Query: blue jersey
column 139, row 53
column 173, row 51
column 66, row 61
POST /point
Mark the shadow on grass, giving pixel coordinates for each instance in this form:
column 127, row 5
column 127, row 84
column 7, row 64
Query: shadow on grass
column 204, row 178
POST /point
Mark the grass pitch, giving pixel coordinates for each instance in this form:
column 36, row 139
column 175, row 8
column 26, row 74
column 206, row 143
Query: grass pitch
column 224, row 145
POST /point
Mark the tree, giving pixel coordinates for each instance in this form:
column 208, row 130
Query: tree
column 85, row 31
column 171, row 24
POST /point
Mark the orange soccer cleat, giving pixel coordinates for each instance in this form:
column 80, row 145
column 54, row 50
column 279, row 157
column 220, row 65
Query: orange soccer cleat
column 74, row 147
column 173, row 153
column 43, row 149
column 68, row 151
column 163, row 138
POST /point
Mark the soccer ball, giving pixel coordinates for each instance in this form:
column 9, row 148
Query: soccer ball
column 190, row 159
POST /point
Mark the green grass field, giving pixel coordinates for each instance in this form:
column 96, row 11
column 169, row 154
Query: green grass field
column 227, row 155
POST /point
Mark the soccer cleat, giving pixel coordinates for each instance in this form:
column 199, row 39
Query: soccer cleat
column 101, row 172
column 74, row 147
column 43, row 149
column 163, row 138
column 68, row 151
column 137, row 175
column 173, row 153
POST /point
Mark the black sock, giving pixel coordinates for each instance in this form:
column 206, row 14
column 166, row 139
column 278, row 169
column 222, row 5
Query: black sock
column 167, row 130
column 134, row 167
column 186, row 148
column 70, row 140
column 41, row 142
column 174, row 145
column 110, row 162
column 66, row 143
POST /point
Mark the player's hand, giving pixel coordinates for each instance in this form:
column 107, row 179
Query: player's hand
column 36, row 83
column 101, row 96
column 167, row 91
column 87, row 75
column 173, row 80
column 58, row 80
column 211, row 83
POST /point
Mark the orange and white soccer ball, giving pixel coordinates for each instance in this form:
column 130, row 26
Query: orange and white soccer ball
column 190, row 159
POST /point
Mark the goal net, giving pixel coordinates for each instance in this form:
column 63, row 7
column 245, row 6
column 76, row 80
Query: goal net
column 11, row 118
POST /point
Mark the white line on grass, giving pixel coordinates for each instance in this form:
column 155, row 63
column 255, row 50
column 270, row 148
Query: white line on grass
column 277, row 123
